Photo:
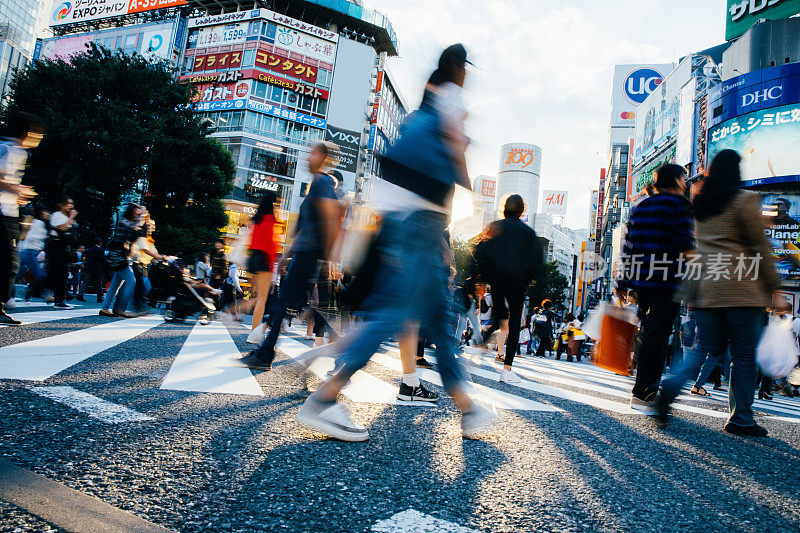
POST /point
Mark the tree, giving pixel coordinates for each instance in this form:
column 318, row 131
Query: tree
column 115, row 122
column 553, row 286
column 462, row 254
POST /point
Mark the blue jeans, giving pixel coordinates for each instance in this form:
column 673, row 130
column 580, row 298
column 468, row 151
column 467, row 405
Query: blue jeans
column 716, row 328
column 124, row 282
column 410, row 286
column 29, row 261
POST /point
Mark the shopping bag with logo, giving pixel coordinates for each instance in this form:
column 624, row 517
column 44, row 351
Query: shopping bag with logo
column 617, row 334
column 777, row 351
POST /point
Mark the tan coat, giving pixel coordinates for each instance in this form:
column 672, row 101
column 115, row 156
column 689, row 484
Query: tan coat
column 737, row 232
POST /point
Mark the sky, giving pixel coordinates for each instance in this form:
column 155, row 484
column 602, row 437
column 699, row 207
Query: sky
column 544, row 72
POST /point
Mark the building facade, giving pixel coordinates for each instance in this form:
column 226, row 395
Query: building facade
column 17, row 26
column 519, row 172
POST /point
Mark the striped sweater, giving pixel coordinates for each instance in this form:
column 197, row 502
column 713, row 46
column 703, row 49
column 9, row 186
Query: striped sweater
column 659, row 229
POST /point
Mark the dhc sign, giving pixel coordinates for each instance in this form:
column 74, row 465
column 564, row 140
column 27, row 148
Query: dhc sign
column 773, row 93
column 640, row 83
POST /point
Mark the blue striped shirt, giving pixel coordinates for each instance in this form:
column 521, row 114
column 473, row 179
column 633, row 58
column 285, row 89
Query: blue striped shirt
column 659, row 229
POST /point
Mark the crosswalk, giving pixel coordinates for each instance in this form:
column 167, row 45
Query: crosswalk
column 205, row 363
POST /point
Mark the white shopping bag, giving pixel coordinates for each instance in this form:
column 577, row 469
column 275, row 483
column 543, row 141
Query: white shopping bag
column 777, row 351
column 593, row 324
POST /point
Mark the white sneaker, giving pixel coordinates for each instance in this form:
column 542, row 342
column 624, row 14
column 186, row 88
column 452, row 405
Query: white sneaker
column 11, row 304
column 645, row 407
column 509, row 376
column 477, row 421
column 333, row 421
column 256, row 336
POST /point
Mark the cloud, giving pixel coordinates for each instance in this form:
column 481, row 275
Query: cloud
column 544, row 72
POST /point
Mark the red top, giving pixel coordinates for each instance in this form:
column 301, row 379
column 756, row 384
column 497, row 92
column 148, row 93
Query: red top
column 263, row 236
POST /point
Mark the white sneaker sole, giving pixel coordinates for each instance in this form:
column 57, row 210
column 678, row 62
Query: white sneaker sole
column 646, row 409
column 327, row 428
column 407, row 398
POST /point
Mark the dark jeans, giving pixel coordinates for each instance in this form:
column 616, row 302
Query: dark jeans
column 507, row 299
column 716, row 328
column 57, row 270
column 657, row 314
column 9, row 257
column 301, row 274
column 92, row 280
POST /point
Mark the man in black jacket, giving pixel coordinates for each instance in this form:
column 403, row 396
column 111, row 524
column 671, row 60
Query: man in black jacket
column 508, row 259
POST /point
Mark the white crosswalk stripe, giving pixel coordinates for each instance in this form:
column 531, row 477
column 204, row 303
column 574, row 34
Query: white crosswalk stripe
column 205, row 364
column 38, row 360
column 36, row 317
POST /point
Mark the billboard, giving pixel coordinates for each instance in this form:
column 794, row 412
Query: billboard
column 632, row 84
column 658, row 117
column 598, row 232
column 758, row 115
column 782, row 212
column 349, row 143
column 155, row 43
column 222, row 35
column 65, row 48
column 72, row 11
column 217, row 61
column 593, row 214
column 208, row 92
column 742, row 14
column 307, row 45
column 554, row 203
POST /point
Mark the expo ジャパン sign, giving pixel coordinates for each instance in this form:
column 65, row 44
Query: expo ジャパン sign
column 74, row 11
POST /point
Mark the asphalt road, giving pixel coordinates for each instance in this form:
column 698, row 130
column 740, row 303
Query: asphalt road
column 101, row 406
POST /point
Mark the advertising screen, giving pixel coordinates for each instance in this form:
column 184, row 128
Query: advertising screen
column 658, row 117
column 768, row 141
column 782, row 212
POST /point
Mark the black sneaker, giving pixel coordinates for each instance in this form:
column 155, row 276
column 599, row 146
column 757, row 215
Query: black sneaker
column 7, row 320
column 746, row 431
column 416, row 394
column 62, row 305
column 662, row 408
column 423, row 363
column 253, row 362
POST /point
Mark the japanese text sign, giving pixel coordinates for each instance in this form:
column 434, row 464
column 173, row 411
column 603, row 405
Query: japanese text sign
column 742, row 14
column 290, row 67
column 217, row 61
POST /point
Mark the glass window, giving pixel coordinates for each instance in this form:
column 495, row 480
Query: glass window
column 275, row 93
column 130, row 40
column 108, row 42
column 252, row 122
column 254, row 27
column 623, row 159
column 321, row 107
column 248, row 60
column 324, row 77
column 289, row 98
column 224, row 117
column 306, row 103
column 267, row 124
column 259, row 89
column 273, row 162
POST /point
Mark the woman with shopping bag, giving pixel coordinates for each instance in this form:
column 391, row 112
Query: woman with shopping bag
column 729, row 308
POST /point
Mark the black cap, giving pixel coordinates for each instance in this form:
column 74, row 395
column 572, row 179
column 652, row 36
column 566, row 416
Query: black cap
column 455, row 53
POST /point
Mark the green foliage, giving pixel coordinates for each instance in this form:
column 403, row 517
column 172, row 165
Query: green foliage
column 553, row 286
column 462, row 252
column 114, row 122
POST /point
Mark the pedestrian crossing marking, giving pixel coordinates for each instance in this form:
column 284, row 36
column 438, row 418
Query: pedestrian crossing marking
column 363, row 387
column 478, row 392
column 39, row 359
column 36, row 317
column 98, row 408
column 206, row 364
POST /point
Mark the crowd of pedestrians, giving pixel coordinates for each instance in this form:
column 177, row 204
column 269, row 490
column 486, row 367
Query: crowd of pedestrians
column 404, row 287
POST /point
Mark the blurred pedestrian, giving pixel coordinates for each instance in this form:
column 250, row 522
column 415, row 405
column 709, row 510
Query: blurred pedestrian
column 729, row 309
column 30, row 249
column 57, row 246
column 508, row 259
column 143, row 251
column 317, row 226
column 93, row 270
column 544, row 328
column 660, row 230
column 130, row 227
column 20, row 133
column 415, row 195
column 263, row 249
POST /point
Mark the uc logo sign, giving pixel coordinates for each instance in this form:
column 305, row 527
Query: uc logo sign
column 640, row 83
column 518, row 156
column 61, row 12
